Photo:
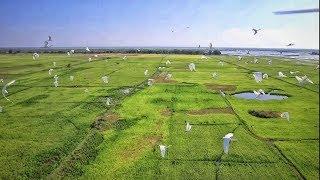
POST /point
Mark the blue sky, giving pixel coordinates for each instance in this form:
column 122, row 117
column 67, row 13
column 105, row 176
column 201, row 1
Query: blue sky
column 226, row 23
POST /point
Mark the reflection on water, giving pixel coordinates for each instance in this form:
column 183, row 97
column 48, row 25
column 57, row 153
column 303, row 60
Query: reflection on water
column 263, row 97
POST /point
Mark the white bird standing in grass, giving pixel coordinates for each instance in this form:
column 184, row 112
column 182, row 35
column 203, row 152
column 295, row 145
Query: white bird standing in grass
column 108, row 101
column 4, row 89
column 303, row 80
column 257, row 76
column 146, row 72
column 55, row 82
column 124, row 58
column 239, row 58
column 54, row 64
column 259, row 93
column 90, row 59
column 68, row 53
column 255, row 61
column 150, row 82
column 220, row 63
column 281, row 75
column 96, row 55
column 285, row 115
column 188, row 127
column 168, row 76
column 204, row 57
column 105, row 79
column 222, row 93
column 50, row 71
column 214, row 75
column 163, row 150
column 35, row 56
column 192, row 67
column 168, row 62
column 226, row 142
column 294, row 72
column 265, row 76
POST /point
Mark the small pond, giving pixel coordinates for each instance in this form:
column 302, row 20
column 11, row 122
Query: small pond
column 262, row 97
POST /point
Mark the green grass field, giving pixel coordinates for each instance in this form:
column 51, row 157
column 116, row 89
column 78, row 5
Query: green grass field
column 70, row 131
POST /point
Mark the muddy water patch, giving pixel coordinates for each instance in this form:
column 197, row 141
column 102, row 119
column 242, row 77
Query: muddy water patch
column 105, row 122
column 265, row 114
column 221, row 87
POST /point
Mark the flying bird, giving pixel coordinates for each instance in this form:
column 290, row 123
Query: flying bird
column 49, row 38
column 4, row 89
column 291, row 44
column 255, row 31
column 46, row 44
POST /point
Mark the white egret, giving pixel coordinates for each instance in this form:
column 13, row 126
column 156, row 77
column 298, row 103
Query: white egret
column 168, row 77
column 258, row 76
column 265, row 76
column 285, row 115
column 108, row 101
column 163, row 150
column 188, row 127
column 4, row 89
column 146, row 72
column 192, row 67
column 214, row 75
column 204, row 57
column 226, row 142
column 35, row 56
column 150, row 82
column 105, row 79
column 50, row 71
column 222, row 93
column 281, row 75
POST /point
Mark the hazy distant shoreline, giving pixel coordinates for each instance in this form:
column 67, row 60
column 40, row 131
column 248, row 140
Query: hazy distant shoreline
column 312, row 54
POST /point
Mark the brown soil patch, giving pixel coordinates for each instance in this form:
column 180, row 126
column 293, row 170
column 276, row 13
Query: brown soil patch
column 265, row 114
column 51, row 160
column 227, row 110
column 105, row 122
column 161, row 78
column 222, row 87
column 166, row 112
column 143, row 144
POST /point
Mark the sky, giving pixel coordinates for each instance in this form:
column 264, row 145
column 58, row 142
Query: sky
column 110, row 23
